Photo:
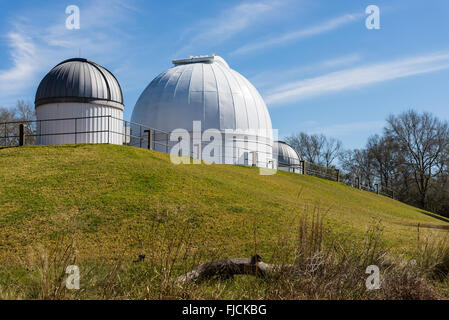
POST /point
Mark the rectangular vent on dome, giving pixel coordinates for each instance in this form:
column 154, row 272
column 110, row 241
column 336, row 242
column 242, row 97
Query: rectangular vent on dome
column 193, row 60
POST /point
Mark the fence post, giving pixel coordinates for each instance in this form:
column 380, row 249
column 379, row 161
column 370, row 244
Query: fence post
column 140, row 137
column 109, row 129
column 303, row 166
column 75, row 130
column 338, row 175
column 167, row 141
column 254, row 158
column 40, row 132
column 21, row 134
column 150, row 139
column 126, row 129
column 377, row 188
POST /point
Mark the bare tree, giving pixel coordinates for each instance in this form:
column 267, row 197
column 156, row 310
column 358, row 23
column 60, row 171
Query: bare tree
column 316, row 149
column 6, row 115
column 307, row 146
column 386, row 156
column 6, row 129
column 24, row 111
column 424, row 141
column 331, row 151
column 358, row 164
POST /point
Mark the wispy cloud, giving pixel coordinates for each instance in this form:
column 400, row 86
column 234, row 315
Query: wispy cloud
column 35, row 48
column 227, row 24
column 340, row 61
column 23, row 54
column 357, row 77
column 267, row 78
column 345, row 129
column 298, row 34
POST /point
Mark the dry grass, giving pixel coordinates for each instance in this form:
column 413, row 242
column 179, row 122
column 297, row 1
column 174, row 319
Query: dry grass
column 338, row 271
column 325, row 267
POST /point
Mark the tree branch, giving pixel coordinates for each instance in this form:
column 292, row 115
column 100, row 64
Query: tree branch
column 227, row 268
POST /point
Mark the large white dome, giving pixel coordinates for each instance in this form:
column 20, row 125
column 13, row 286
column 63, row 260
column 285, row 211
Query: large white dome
column 202, row 89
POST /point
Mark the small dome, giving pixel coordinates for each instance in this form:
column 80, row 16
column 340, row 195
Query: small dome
column 202, row 89
column 80, row 80
column 287, row 156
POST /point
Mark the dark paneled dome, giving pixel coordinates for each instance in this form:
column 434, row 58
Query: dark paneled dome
column 80, row 81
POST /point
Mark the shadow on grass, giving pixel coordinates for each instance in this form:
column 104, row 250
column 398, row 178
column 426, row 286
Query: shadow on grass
column 428, row 225
column 433, row 215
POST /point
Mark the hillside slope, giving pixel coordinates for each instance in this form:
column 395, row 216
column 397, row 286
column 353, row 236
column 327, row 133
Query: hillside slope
column 111, row 197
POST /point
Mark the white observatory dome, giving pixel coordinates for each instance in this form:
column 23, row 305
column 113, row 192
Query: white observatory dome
column 79, row 101
column 288, row 158
column 206, row 89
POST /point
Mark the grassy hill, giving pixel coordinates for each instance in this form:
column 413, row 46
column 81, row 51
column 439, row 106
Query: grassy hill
column 117, row 202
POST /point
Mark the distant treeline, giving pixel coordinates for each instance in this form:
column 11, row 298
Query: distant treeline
column 409, row 160
column 23, row 111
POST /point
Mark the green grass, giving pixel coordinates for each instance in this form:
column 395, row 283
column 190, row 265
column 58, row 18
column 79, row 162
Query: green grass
column 110, row 197
column 100, row 206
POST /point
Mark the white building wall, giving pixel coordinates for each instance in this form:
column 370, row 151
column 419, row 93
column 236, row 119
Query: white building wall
column 95, row 118
column 240, row 149
column 289, row 169
column 236, row 149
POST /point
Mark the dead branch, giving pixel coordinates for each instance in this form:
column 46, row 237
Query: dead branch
column 227, row 268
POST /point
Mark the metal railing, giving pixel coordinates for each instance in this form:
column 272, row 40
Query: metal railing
column 108, row 129
column 351, row 180
column 320, row 171
column 93, row 129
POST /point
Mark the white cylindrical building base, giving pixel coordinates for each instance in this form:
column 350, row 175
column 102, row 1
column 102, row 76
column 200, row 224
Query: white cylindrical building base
column 69, row 123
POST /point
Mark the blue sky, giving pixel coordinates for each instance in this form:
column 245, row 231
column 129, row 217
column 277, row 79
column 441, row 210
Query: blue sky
column 318, row 67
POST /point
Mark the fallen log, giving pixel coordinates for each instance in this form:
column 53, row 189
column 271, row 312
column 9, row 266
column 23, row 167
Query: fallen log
column 227, row 268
